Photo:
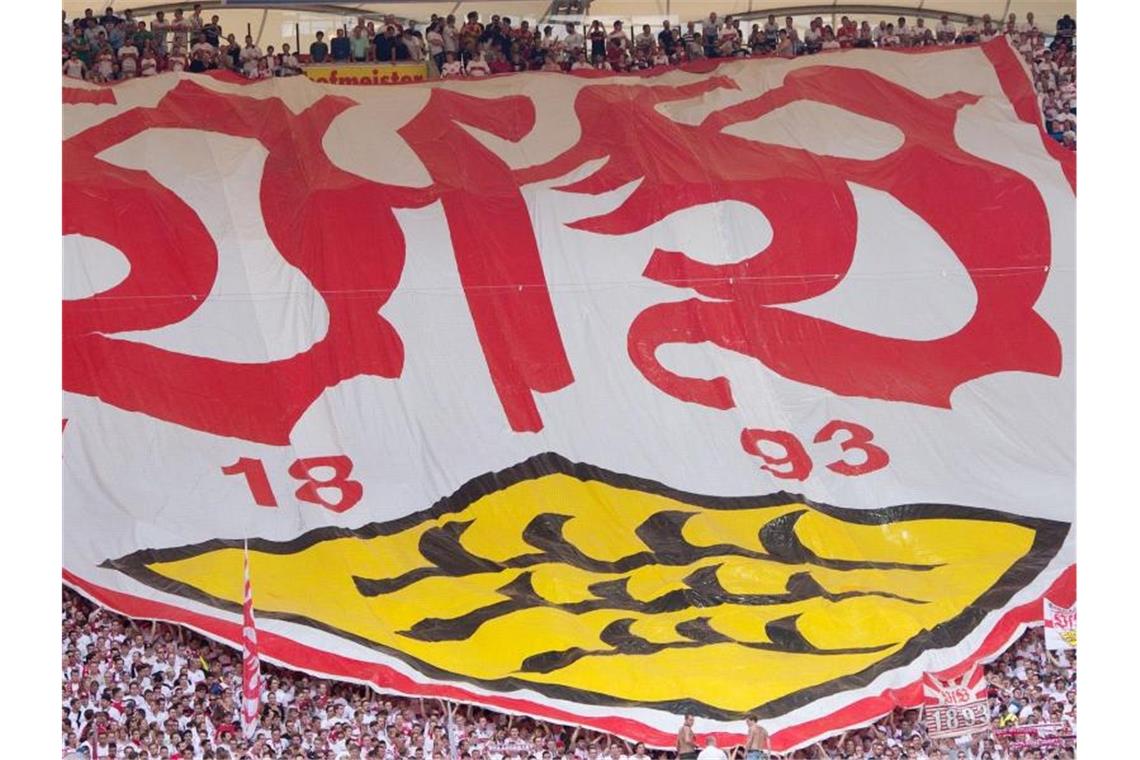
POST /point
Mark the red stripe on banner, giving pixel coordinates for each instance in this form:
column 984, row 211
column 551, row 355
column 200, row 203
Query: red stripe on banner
column 978, row 681
column 290, row 653
column 75, row 96
column 1019, row 90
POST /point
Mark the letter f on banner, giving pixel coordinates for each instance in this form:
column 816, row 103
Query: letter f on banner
column 250, row 664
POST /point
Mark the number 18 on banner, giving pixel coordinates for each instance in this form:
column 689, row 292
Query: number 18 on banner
column 348, row 492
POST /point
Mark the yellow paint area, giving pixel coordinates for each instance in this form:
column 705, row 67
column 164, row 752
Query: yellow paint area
column 316, row 583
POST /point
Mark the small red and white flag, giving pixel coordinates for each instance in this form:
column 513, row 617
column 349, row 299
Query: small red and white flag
column 1060, row 626
column 250, row 664
column 957, row 707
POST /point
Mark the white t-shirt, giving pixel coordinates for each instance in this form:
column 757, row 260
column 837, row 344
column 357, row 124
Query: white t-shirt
column 451, row 69
column 477, row 67
column 105, row 64
column 180, row 30
column 415, row 48
column 75, row 69
column 450, row 39
column 712, row 753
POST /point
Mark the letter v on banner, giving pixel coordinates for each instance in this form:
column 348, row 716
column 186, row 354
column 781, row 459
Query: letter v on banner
column 496, row 251
column 250, row 663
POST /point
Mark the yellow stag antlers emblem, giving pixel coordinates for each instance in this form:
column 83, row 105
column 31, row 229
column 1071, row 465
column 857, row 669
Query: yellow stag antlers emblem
column 593, row 586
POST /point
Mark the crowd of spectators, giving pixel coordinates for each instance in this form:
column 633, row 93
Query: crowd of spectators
column 112, row 47
column 522, row 48
column 139, row 689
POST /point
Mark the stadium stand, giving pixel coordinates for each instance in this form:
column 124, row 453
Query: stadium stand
column 140, row 689
column 111, row 47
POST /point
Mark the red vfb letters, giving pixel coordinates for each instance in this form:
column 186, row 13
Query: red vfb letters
column 340, row 230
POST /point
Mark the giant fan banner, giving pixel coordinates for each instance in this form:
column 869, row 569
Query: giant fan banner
column 730, row 390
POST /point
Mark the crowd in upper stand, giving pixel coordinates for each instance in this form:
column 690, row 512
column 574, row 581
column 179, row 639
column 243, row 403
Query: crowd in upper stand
column 136, row 689
column 111, row 47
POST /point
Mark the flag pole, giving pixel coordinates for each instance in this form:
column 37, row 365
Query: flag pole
column 452, row 738
column 250, row 661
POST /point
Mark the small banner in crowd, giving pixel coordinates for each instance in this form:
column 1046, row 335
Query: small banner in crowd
column 369, row 74
column 1060, row 626
column 957, row 707
column 1037, row 736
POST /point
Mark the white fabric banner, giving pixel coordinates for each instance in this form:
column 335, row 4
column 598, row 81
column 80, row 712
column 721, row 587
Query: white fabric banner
column 550, row 392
